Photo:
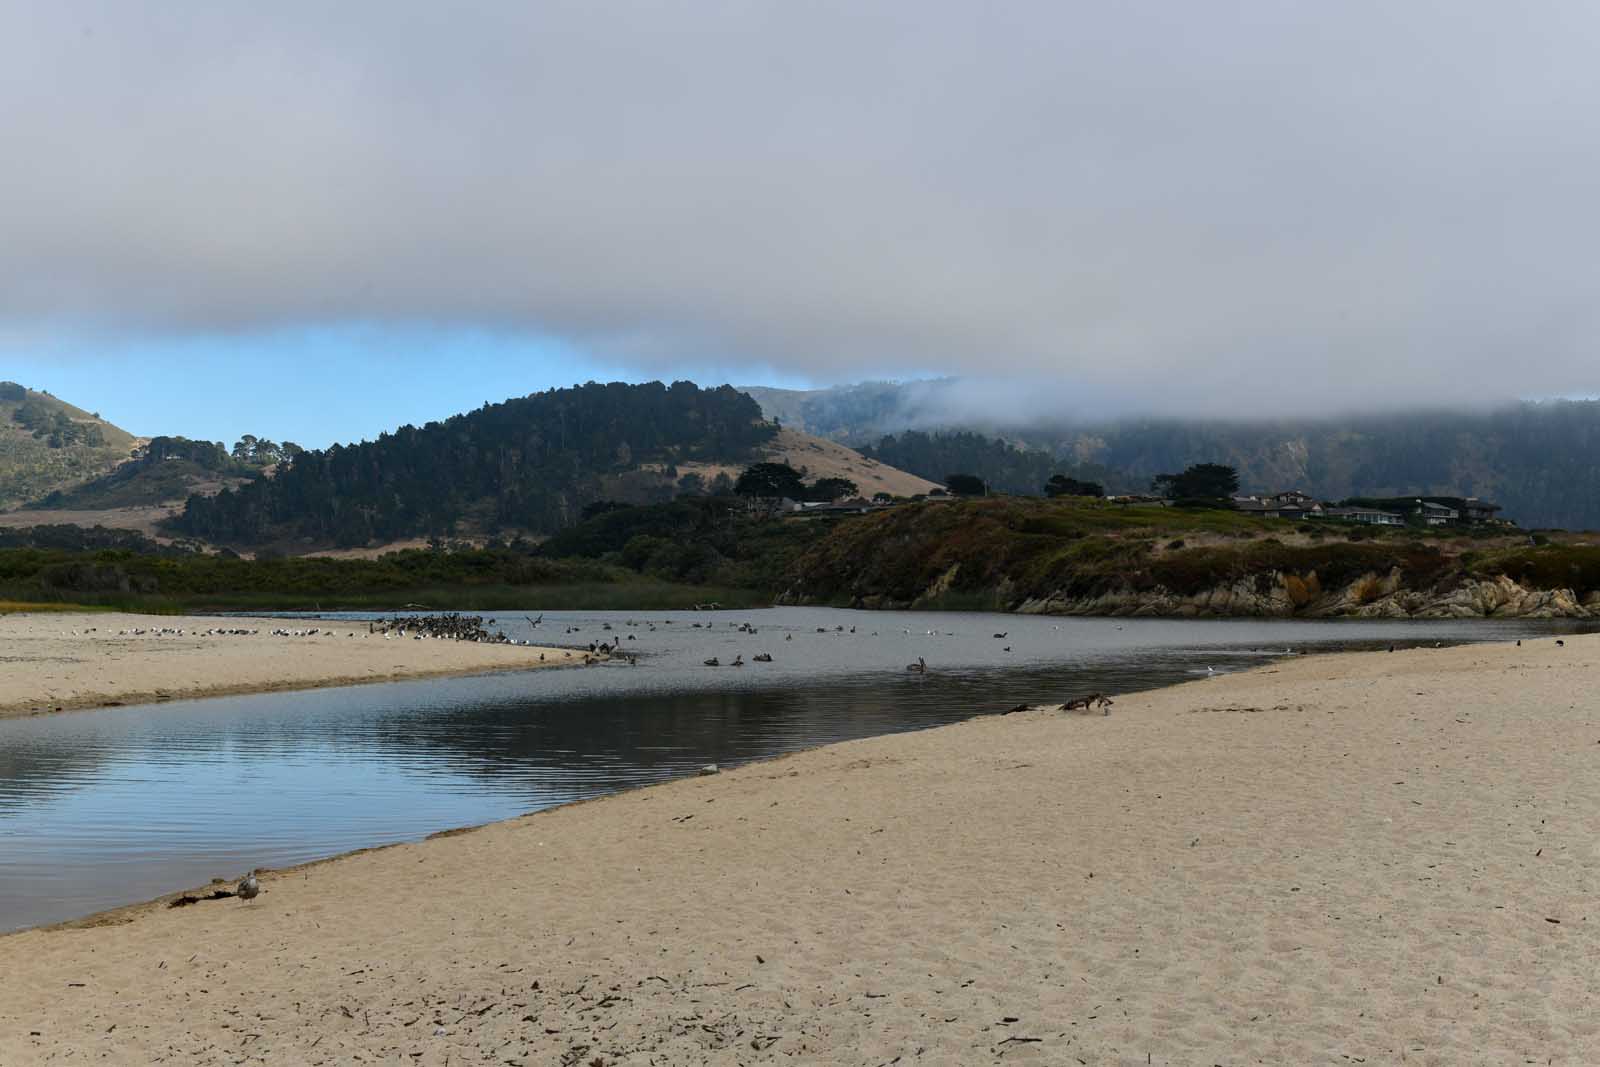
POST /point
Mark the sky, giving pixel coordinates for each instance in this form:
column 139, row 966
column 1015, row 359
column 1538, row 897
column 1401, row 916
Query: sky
column 315, row 221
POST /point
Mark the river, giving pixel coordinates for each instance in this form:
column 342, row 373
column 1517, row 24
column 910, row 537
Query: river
column 109, row 807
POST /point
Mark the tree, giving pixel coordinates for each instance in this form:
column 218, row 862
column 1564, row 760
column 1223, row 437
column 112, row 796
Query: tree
column 827, row 490
column 1201, row 481
column 965, row 485
column 1061, row 485
column 770, row 480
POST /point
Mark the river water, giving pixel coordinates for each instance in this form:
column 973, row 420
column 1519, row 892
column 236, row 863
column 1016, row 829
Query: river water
column 103, row 808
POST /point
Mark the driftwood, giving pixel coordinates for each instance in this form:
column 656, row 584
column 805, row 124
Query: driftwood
column 1089, row 703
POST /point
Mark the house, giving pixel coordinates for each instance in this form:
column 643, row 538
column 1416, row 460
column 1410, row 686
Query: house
column 1369, row 516
column 1475, row 510
column 1290, row 505
column 1435, row 514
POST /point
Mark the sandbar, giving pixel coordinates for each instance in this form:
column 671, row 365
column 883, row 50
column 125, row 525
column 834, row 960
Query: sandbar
column 60, row 662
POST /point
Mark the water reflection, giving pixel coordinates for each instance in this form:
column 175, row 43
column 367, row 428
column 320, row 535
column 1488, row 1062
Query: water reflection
column 108, row 807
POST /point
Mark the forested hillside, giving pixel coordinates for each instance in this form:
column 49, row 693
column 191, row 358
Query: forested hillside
column 1540, row 460
column 1003, row 466
column 47, row 444
column 527, row 464
column 167, row 470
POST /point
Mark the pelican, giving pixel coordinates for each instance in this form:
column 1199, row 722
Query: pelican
column 919, row 667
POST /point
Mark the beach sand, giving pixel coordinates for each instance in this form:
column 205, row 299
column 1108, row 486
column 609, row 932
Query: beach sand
column 53, row 662
column 1375, row 858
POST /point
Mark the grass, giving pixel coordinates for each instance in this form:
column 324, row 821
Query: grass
column 1007, row 550
column 8, row 607
column 573, row 596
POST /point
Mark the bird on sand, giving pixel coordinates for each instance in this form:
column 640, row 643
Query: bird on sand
column 249, row 887
column 1560, row 643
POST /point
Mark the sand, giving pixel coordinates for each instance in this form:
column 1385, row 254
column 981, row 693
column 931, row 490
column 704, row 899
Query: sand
column 1375, row 858
column 54, row 662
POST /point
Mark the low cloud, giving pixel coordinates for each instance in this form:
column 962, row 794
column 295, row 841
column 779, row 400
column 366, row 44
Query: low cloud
column 1212, row 207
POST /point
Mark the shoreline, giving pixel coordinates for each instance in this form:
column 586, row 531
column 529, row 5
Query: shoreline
column 57, row 663
column 1372, row 855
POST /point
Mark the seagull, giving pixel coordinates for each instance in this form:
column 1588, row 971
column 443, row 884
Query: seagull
column 249, row 887
column 1211, row 670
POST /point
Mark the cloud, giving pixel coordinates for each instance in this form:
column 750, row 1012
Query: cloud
column 1217, row 206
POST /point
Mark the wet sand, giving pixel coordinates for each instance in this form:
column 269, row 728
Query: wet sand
column 58, row 662
column 1364, row 857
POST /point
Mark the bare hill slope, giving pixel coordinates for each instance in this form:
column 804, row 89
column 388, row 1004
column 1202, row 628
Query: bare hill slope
column 47, row 444
column 817, row 457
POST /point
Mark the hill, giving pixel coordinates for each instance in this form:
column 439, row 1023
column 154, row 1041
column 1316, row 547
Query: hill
column 817, row 457
column 1535, row 459
column 48, row 445
column 527, row 465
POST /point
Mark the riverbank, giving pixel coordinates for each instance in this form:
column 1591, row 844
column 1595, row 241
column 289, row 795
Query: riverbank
column 1366, row 856
column 59, row 662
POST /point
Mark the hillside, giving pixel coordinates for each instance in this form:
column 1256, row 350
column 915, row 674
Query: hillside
column 48, row 445
column 1536, row 459
column 816, row 457
column 527, row 465
column 1083, row 557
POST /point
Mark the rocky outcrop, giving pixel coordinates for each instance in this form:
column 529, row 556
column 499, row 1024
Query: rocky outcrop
column 1371, row 596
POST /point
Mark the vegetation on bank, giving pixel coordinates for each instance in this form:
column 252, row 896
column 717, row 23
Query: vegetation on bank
column 992, row 553
column 998, row 553
column 492, row 578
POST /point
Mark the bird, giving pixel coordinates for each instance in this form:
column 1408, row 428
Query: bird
column 713, row 662
column 738, row 660
column 1001, row 637
column 1211, row 670
column 1006, row 649
column 920, row 667
column 1560, row 643
column 249, row 887
column 1391, row 647
column 535, row 622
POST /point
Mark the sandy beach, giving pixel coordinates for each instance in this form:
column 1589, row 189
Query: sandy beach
column 58, row 662
column 1375, row 858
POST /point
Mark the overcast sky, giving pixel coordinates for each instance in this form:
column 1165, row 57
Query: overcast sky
column 1158, row 206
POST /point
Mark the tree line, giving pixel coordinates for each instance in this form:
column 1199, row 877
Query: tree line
column 530, row 463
